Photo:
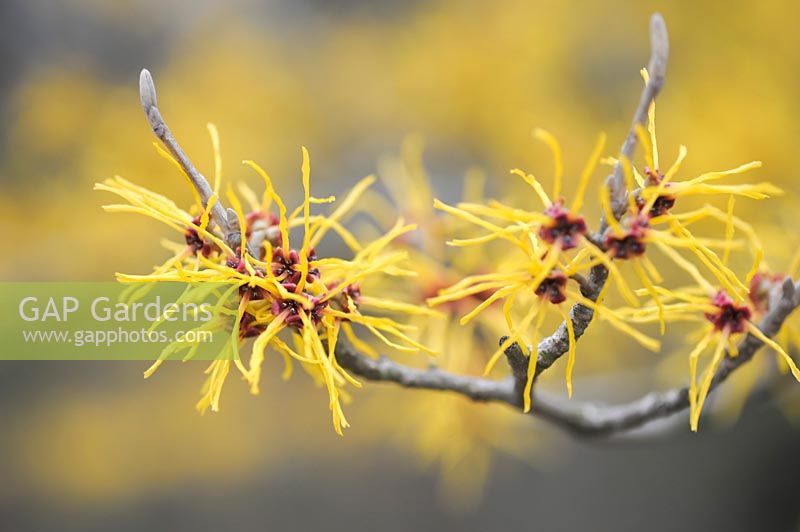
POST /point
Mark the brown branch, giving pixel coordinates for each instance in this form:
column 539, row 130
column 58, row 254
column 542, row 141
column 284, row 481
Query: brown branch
column 583, row 419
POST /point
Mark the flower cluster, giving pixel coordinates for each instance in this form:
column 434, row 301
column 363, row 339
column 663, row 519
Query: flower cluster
column 287, row 298
column 725, row 304
column 556, row 249
column 279, row 286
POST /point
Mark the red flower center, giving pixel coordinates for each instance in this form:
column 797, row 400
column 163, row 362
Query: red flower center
column 291, row 308
column 285, row 267
column 729, row 316
column 631, row 244
column 552, row 288
column 663, row 203
column 563, row 227
column 196, row 243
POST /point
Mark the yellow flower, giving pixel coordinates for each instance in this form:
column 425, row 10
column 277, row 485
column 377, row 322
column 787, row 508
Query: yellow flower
column 538, row 281
column 659, row 191
column 725, row 320
column 762, row 287
column 629, row 238
column 285, row 288
column 727, row 310
column 545, row 239
column 653, row 194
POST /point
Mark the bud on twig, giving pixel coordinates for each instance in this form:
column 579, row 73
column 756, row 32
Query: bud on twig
column 147, row 96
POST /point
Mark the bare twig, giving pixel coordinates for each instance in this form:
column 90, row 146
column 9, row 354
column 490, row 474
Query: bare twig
column 227, row 222
column 385, row 370
column 589, row 420
column 657, row 68
column 582, row 281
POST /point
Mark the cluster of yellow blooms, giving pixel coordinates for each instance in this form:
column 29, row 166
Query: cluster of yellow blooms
column 717, row 296
column 284, row 288
column 292, row 301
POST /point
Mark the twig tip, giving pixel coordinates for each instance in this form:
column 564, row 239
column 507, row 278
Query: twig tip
column 147, row 90
column 659, row 45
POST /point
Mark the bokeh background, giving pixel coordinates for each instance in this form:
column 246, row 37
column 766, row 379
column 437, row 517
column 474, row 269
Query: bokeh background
column 91, row 446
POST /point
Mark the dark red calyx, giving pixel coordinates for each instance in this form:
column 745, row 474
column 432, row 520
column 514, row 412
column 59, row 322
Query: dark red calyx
column 652, row 177
column 553, row 288
column 248, row 328
column 291, row 309
column 664, row 202
column 563, row 226
column 661, row 205
column 195, row 242
column 236, row 262
column 730, row 317
column 286, row 267
column 353, row 292
column 631, row 244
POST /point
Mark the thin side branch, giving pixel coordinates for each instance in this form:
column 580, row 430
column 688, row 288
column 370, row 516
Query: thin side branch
column 227, row 223
column 587, row 419
column 657, row 68
column 384, row 369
